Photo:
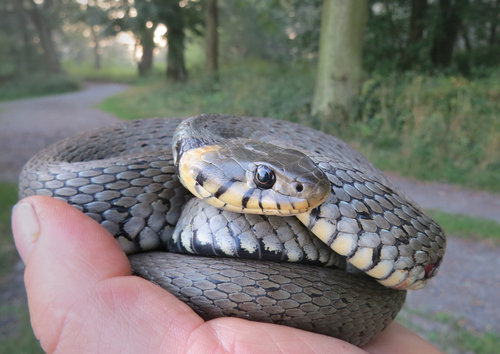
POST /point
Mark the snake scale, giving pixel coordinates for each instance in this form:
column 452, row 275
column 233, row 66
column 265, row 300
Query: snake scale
column 290, row 225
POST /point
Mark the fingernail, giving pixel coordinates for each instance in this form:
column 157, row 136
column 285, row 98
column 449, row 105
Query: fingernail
column 26, row 228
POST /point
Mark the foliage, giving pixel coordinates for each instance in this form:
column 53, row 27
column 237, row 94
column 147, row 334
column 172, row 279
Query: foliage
column 23, row 340
column 278, row 30
column 449, row 333
column 19, row 54
column 466, row 226
column 8, row 197
column 283, row 30
column 107, row 73
column 261, row 89
column 443, row 127
column 37, row 84
column 389, row 46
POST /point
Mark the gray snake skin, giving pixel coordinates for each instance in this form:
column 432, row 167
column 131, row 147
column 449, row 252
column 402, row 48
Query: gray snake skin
column 124, row 177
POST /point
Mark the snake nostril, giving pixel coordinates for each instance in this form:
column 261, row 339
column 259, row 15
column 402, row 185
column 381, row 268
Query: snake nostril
column 299, row 187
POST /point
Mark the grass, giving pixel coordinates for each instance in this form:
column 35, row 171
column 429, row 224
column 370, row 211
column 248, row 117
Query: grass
column 22, row 339
column 466, row 226
column 244, row 92
column 434, row 128
column 449, row 333
column 110, row 73
column 37, row 85
column 8, row 197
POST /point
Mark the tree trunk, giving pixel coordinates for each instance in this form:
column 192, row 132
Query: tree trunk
column 446, row 33
column 28, row 55
column 416, row 33
column 148, row 45
column 97, row 47
column 50, row 55
column 417, row 20
column 494, row 24
column 339, row 68
column 176, row 67
column 212, row 39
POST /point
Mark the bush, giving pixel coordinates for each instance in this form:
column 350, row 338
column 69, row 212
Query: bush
column 255, row 88
column 37, row 85
column 443, row 127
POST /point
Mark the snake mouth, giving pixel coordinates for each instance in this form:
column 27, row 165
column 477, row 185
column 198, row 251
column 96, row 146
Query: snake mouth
column 259, row 203
column 432, row 268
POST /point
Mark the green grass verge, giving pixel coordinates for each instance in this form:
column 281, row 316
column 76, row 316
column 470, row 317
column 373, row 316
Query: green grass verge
column 111, row 73
column 466, row 227
column 38, row 85
column 8, row 197
column 242, row 90
column 448, row 333
column 19, row 338
column 22, row 339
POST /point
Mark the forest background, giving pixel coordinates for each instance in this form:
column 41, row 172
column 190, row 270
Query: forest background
column 426, row 104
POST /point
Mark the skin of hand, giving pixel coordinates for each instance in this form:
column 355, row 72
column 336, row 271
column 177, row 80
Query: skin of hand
column 83, row 298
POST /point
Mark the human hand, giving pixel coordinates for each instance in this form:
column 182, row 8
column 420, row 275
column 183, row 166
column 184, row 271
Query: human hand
column 83, row 298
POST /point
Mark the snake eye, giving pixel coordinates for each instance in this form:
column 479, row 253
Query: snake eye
column 264, row 177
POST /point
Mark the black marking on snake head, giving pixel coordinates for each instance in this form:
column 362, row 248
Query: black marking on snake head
column 222, row 189
column 201, row 178
column 246, row 198
column 260, row 201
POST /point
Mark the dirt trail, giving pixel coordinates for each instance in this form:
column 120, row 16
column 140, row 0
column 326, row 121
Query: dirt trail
column 29, row 125
column 468, row 283
column 449, row 198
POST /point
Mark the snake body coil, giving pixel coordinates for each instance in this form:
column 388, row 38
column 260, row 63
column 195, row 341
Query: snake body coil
column 255, row 179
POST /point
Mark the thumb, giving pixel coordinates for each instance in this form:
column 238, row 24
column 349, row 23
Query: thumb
column 80, row 292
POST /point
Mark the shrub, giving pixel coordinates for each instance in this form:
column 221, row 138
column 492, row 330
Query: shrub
column 36, row 85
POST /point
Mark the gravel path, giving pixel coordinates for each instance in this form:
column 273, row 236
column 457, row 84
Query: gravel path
column 467, row 286
column 31, row 124
column 449, row 198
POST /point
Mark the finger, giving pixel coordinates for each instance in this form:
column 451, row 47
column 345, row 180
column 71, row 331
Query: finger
column 234, row 335
column 80, row 292
column 398, row 339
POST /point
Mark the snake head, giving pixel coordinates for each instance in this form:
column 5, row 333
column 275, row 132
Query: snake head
column 253, row 177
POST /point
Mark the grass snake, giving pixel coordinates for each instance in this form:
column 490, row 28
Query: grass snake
column 290, row 225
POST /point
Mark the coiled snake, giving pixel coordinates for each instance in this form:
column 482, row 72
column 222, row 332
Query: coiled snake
column 255, row 179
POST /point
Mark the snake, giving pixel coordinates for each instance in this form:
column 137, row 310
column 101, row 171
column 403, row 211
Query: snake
column 256, row 218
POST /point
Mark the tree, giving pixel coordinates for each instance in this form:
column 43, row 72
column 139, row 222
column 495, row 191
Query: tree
column 172, row 15
column 339, row 68
column 417, row 26
column 96, row 18
column 143, row 24
column 448, row 26
column 146, row 40
column 38, row 14
column 212, row 38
